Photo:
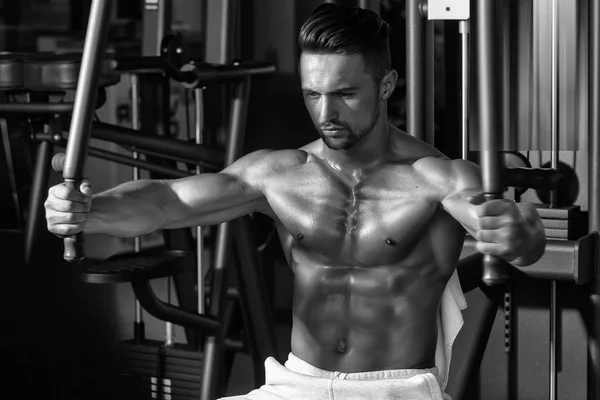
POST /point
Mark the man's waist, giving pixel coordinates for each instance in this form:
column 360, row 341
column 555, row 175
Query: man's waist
column 299, row 365
column 352, row 354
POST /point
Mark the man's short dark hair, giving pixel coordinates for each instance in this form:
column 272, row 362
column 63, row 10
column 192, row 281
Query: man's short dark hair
column 348, row 30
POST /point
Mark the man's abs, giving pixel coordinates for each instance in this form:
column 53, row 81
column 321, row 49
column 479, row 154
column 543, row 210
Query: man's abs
column 354, row 319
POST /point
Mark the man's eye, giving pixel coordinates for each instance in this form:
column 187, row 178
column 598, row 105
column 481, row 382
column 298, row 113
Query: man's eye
column 345, row 94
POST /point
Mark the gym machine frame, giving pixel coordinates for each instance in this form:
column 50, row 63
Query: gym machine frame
column 139, row 268
column 564, row 260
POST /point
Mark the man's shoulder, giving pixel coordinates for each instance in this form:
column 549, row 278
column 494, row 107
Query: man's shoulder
column 294, row 157
column 448, row 174
column 259, row 164
column 407, row 149
column 281, row 158
column 429, row 161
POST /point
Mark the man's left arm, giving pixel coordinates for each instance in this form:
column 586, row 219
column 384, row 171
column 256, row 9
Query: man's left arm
column 503, row 228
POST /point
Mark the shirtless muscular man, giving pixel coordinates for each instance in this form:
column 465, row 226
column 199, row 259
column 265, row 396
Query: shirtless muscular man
column 371, row 220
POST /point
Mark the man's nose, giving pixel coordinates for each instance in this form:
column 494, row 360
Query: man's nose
column 328, row 111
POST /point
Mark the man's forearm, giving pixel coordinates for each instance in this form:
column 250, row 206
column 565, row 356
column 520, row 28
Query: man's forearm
column 533, row 248
column 128, row 210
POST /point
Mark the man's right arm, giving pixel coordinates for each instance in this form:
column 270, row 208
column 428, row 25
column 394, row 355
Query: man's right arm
column 139, row 207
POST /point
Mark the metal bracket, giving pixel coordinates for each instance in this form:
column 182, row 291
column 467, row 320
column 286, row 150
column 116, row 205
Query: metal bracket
column 448, row 10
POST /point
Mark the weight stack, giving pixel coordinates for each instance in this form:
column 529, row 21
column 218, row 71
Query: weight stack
column 150, row 370
column 562, row 223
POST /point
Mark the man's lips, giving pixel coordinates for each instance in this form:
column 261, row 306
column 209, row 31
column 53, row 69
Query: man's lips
column 334, row 133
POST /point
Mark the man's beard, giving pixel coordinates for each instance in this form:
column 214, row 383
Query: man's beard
column 352, row 135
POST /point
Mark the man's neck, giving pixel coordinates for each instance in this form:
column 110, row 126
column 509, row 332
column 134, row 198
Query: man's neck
column 369, row 152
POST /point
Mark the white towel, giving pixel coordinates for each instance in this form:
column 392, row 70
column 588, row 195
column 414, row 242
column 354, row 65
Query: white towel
column 450, row 321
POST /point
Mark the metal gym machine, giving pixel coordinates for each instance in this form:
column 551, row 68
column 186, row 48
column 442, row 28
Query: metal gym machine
column 206, row 385
column 571, row 258
column 176, row 373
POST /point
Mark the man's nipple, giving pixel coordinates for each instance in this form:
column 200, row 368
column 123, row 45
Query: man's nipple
column 390, row 242
column 299, row 237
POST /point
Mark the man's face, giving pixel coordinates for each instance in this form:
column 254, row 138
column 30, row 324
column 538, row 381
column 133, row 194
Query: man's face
column 341, row 97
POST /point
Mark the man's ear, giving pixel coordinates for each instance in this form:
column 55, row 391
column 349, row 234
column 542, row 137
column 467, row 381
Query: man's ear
column 388, row 84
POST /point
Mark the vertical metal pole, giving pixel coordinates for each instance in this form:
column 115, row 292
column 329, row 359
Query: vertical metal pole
column 554, row 94
column 199, row 237
column 226, row 31
column 135, row 124
column 552, row 338
column 553, row 201
column 257, row 316
column 415, row 70
column 168, row 325
column 467, row 367
column 214, row 344
column 157, row 24
column 463, row 27
column 593, row 322
column 506, row 73
column 494, row 269
column 218, row 50
column 154, row 119
column 83, row 109
column 218, row 31
column 488, row 104
column 165, row 18
column 505, row 139
column 429, row 54
column 10, row 167
column 139, row 332
column 39, row 187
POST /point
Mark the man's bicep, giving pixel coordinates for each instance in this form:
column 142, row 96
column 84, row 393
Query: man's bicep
column 208, row 199
column 237, row 190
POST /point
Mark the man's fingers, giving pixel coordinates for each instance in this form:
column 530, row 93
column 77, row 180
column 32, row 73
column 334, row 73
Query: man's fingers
column 86, row 187
column 495, row 222
column 477, row 199
column 60, row 218
column 489, row 235
column 63, row 230
column 65, row 223
column 493, row 249
column 494, row 207
column 69, row 206
column 63, row 192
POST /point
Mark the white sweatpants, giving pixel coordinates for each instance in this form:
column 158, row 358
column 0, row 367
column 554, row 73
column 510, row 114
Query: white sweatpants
column 302, row 381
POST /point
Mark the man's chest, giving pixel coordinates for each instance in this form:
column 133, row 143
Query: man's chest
column 379, row 217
